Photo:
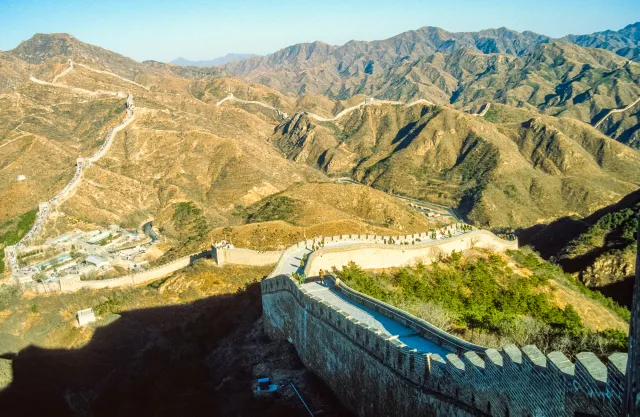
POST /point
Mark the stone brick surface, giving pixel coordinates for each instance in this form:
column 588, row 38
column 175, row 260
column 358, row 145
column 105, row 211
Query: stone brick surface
column 374, row 374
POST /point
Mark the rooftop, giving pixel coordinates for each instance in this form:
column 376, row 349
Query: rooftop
column 96, row 260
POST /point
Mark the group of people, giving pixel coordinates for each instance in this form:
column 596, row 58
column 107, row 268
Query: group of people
column 223, row 244
column 302, row 277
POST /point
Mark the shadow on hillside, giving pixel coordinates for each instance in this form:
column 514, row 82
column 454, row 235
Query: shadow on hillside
column 195, row 359
column 621, row 291
column 550, row 239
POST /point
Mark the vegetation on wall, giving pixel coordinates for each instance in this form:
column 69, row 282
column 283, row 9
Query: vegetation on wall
column 12, row 230
column 485, row 301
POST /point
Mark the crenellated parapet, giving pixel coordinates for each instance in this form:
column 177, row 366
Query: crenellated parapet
column 511, row 381
column 378, row 251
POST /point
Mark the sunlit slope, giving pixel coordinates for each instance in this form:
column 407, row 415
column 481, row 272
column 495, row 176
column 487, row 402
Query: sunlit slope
column 43, row 130
column 514, row 172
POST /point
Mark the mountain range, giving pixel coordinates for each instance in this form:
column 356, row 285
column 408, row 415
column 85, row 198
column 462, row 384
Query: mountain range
column 546, row 143
column 514, row 132
column 468, row 69
column 212, row 62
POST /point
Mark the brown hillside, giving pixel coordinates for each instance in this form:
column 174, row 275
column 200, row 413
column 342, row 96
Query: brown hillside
column 489, row 171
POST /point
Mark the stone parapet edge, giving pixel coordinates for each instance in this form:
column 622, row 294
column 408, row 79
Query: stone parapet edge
column 600, row 383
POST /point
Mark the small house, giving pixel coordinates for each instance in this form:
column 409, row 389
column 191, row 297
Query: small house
column 98, row 238
column 85, row 316
column 97, row 261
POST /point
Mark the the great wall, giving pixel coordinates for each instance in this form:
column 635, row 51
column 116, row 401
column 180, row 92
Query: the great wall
column 378, row 359
column 367, row 102
column 45, row 209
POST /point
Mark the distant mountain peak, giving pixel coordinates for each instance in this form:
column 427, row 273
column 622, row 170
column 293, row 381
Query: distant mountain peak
column 230, row 57
column 43, row 47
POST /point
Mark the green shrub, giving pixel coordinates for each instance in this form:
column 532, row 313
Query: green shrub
column 273, row 208
column 191, row 229
column 546, row 270
column 15, row 232
column 485, row 296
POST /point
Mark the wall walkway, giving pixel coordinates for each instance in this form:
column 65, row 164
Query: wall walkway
column 375, row 373
column 380, row 360
column 379, row 256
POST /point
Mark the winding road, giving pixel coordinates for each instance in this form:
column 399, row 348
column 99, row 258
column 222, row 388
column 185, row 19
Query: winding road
column 434, row 206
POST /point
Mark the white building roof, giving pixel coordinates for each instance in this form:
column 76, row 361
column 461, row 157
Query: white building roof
column 99, row 237
column 96, row 260
column 86, row 316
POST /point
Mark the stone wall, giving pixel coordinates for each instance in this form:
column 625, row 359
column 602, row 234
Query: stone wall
column 374, row 374
column 75, row 284
column 241, row 256
column 421, row 327
column 407, row 242
column 377, row 255
column 632, row 395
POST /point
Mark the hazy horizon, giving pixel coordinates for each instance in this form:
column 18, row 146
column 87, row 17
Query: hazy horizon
column 197, row 30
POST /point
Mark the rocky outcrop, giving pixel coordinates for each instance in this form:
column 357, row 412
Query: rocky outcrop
column 609, row 268
column 498, row 176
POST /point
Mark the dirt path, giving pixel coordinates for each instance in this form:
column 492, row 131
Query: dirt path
column 74, row 89
column 15, row 139
column 112, row 75
column 63, row 73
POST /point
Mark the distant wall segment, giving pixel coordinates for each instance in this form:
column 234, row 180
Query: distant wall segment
column 74, row 283
column 221, row 256
column 376, row 255
column 239, row 256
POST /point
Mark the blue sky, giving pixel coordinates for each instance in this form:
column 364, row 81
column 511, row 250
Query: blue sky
column 199, row 29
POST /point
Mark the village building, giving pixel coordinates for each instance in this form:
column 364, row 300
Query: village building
column 85, row 317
